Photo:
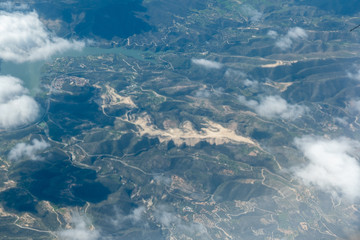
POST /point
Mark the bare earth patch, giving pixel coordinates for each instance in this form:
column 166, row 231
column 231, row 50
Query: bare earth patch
column 111, row 98
column 282, row 86
column 211, row 132
column 278, row 63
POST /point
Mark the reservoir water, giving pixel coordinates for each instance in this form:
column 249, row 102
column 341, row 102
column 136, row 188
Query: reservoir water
column 30, row 72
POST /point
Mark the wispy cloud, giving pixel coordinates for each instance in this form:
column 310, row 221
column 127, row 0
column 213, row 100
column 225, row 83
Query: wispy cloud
column 28, row 151
column 342, row 121
column 135, row 217
column 23, row 37
column 235, row 74
column 354, row 106
column 251, row 83
column 355, row 75
column 332, row 165
column 169, row 219
column 202, row 93
column 242, row 77
column 16, row 106
column 272, row 34
column 294, row 34
column 161, row 179
column 251, row 13
column 274, row 107
column 80, row 230
column 137, row 214
column 206, row 63
column 11, row 6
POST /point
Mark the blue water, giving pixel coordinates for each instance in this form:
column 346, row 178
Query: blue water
column 105, row 19
column 30, row 72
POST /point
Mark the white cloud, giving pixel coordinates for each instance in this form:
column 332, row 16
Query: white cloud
column 251, row 13
column 207, row 63
column 23, row 37
column 29, row 151
column 16, row 106
column 272, row 34
column 294, row 34
column 239, row 75
column 354, row 105
column 341, row 121
column 166, row 218
column 202, row 93
column 332, row 165
column 80, row 231
column 354, row 75
column 161, row 214
column 274, row 107
column 297, row 33
column 136, row 216
column 159, row 179
column 249, row 83
column 234, row 74
column 169, row 219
